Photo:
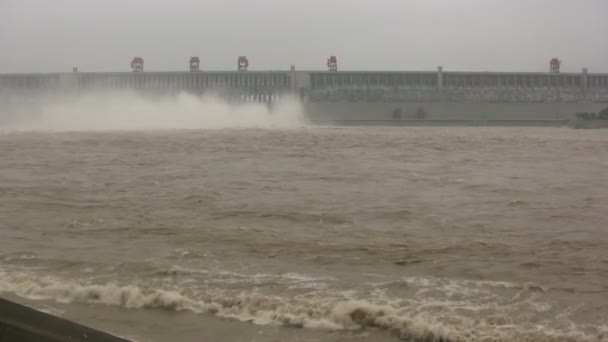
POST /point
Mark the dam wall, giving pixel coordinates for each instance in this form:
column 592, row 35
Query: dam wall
column 334, row 112
column 443, row 86
column 344, row 86
column 473, row 96
column 347, row 95
column 236, row 86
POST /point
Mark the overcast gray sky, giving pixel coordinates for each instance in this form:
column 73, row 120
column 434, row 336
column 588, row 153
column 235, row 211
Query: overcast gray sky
column 497, row 35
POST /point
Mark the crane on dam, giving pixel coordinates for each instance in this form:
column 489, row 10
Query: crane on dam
column 332, row 63
column 137, row 64
column 554, row 65
column 195, row 63
column 242, row 63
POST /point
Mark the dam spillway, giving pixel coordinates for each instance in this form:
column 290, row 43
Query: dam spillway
column 349, row 95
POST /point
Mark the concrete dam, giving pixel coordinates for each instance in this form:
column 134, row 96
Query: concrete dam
column 349, row 97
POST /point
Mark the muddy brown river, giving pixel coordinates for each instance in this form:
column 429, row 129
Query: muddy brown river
column 311, row 234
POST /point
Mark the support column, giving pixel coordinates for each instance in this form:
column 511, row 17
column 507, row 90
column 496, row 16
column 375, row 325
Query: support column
column 292, row 80
column 584, row 83
column 440, row 82
column 440, row 77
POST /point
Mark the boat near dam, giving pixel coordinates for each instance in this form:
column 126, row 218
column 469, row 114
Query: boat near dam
column 344, row 97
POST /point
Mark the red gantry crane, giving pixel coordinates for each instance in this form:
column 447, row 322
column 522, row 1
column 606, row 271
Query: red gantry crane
column 195, row 63
column 243, row 63
column 137, row 64
column 332, row 63
column 554, row 65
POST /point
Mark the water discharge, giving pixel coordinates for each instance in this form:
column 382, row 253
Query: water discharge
column 131, row 111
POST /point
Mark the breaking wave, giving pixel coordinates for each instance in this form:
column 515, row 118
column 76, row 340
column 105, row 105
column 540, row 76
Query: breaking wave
column 247, row 307
column 324, row 313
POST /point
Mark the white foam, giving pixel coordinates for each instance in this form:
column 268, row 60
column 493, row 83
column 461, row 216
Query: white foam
column 129, row 111
column 319, row 311
column 248, row 307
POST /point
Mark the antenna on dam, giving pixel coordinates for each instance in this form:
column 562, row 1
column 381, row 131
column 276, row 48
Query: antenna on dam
column 195, row 63
column 137, row 64
column 554, row 65
column 242, row 63
column 332, row 63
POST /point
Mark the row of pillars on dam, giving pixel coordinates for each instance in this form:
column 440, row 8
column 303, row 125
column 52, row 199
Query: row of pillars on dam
column 546, row 80
column 455, row 80
column 280, row 81
column 161, row 80
column 186, row 81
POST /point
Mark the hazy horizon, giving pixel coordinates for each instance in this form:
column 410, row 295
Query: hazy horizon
column 468, row 35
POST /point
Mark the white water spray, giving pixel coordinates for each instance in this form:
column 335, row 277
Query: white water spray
column 128, row 111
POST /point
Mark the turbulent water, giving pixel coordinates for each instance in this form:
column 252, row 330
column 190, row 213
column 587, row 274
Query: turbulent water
column 311, row 234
